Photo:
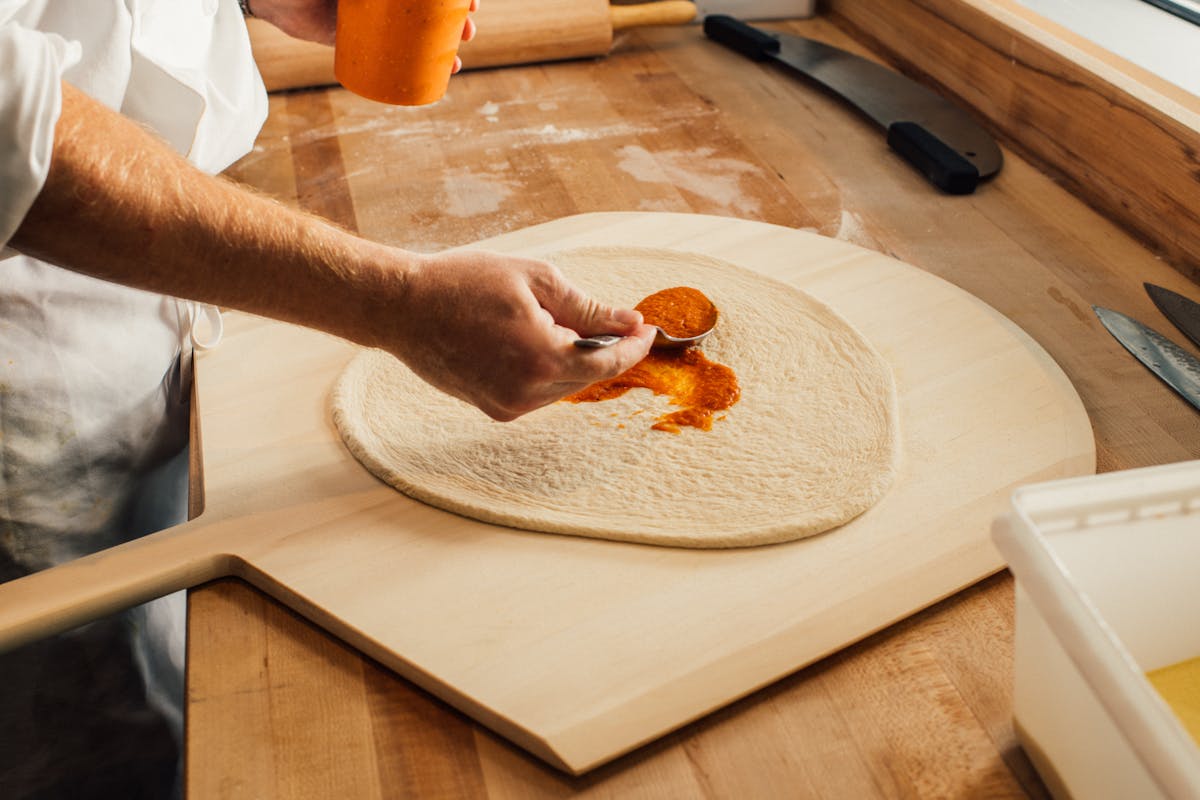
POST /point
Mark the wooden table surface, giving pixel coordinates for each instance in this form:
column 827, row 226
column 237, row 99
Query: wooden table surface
column 671, row 122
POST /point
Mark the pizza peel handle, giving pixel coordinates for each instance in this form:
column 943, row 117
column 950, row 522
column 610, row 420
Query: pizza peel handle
column 86, row 589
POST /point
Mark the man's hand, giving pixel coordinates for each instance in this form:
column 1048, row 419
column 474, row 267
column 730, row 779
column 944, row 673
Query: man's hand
column 316, row 20
column 498, row 331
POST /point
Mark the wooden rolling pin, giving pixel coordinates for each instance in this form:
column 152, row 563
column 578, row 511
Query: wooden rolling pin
column 510, row 32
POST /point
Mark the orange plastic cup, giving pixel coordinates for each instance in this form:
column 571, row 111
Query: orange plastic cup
column 398, row 51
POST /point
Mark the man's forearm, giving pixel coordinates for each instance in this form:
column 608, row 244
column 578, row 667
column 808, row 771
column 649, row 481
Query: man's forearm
column 136, row 213
column 495, row 330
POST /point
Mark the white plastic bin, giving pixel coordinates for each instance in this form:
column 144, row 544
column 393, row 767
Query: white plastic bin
column 1107, row 574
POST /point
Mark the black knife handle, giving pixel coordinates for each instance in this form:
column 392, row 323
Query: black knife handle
column 739, row 36
column 937, row 161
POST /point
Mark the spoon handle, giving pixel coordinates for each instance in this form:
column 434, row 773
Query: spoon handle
column 603, row 340
column 661, row 339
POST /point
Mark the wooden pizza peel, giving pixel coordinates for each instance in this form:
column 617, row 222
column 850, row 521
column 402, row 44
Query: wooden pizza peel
column 577, row 649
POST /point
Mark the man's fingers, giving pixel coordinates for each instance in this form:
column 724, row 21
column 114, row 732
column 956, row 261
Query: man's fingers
column 587, row 366
column 586, row 316
column 591, row 365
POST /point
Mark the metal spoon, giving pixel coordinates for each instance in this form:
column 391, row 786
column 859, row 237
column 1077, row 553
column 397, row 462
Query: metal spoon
column 661, row 339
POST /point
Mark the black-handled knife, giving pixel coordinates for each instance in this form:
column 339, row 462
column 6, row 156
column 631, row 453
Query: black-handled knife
column 933, row 135
column 1183, row 312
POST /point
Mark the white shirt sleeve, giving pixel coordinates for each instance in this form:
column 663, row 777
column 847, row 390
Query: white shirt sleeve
column 183, row 69
column 31, row 69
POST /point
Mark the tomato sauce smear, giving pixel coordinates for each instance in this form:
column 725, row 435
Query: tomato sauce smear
column 701, row 387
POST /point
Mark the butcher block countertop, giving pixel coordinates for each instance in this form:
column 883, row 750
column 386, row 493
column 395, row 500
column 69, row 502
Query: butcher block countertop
column 671, row 122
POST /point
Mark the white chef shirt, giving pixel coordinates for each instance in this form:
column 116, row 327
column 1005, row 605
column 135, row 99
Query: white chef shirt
column 90, row 399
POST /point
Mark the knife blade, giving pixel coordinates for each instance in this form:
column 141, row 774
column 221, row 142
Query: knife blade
column 935, row 136
column 1183, row 313
column 1172, row 364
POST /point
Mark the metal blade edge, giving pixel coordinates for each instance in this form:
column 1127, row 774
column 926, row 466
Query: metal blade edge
column 1172, row 364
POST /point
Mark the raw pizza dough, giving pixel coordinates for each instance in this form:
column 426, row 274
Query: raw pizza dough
column 811, row 444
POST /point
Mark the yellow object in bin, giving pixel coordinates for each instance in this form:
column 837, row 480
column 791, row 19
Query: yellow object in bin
column 1179, row 685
